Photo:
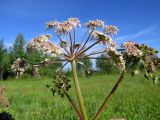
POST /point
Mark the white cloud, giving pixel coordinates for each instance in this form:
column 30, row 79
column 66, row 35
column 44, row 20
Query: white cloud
column 136, row 35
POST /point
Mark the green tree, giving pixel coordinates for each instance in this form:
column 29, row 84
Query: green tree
column 49, row 70
column 2, row 49
column 105, row 66
column 4, row 60
column 84, row 65
column 18, row 50
column 33, row 57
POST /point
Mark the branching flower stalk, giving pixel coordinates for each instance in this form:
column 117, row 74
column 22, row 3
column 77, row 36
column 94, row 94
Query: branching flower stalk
column 70, row 50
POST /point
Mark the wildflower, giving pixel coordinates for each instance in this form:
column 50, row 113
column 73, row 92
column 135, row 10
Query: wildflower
column 51, row 48
column 116, row 57
column 52, row 24
column 111, row 30
column 95, row 23
column 18, row 67
column 71, row 50
column 43, row 38
column 103, row 38
column 74, row 22
column 132, row 49
column 64, row 28
column 38, row 40
column 41, row 43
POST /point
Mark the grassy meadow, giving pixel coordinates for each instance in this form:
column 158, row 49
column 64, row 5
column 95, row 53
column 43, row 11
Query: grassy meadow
column 136, row 99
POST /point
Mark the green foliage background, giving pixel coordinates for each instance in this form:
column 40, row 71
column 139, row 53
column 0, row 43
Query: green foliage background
column 105, row 66
column 32, row 57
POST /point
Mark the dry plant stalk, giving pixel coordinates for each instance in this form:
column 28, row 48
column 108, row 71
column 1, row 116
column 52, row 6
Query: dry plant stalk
column 4, row 102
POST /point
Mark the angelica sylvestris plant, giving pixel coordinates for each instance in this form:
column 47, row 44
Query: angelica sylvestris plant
column 141, row 54
column 72, row 49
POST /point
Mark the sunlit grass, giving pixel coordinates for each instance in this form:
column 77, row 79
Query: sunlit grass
column 136, row 99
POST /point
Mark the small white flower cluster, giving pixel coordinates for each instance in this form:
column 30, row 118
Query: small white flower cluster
column 132, row 49
column 40, row 39
column 51, row 48
column 111, row 30
column 64, row 27
column 95, row 23
column 36, row 42
column 52, row 24
column 103, row 38
column 74, row 22
column 116, row 57
column 42, row 43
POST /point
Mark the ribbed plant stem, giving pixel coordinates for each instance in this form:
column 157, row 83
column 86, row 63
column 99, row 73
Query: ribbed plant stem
column 78, row 91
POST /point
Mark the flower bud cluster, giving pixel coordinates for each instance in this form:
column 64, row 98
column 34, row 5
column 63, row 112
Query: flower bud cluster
column 61, row 84
column 111, row 30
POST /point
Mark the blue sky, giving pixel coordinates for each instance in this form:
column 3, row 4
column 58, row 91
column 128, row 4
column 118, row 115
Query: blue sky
column 138, row 20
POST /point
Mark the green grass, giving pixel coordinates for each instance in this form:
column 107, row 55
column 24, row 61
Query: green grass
column 136, row 99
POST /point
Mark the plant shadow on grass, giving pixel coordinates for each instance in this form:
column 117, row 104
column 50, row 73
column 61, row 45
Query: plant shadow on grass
column 6, row 116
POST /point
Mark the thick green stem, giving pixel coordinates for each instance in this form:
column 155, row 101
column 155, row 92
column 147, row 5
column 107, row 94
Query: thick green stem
column 78, row 91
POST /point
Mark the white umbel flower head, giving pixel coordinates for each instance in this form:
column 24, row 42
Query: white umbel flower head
column 132, row 49
column 95, row 23
column 103, row 38
column 41, row 43
column 111, row 30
